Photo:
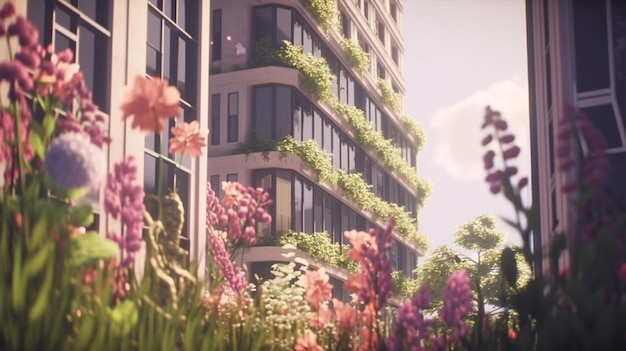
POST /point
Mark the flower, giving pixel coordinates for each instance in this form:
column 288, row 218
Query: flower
column 150, row 101
column 123, row 198
column 187, row 138
column 318, row 289
column 457, row 303
column 410, row 326
column 73, row 161
column 308, row 342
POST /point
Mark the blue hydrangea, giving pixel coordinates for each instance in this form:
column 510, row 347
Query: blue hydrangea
column 73, row 161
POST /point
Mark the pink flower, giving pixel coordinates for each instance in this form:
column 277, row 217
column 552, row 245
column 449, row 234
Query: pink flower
column 308, row 342
column 316, row 285
column 187, row 138
column 150, row 101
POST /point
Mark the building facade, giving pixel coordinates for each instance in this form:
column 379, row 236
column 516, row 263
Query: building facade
column 268, row 99
column 116, row 40
column 577, row 56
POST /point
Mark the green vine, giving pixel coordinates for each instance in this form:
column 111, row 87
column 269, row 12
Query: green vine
column 358, row 58
column 403, row 286
column 317, row 76
column 264, row 52
column 390, row 97
column 416, row 130
column 354, row 187
column 389, row 155
column 324, row 11
column 321, row 247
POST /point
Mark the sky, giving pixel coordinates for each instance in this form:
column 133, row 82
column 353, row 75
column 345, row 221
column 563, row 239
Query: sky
column 460, row 56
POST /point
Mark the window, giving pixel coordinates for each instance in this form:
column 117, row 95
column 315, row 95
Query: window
column 393, row 10
column 381, row 32
column 216, row 35
column 233, row 117
column 215, row 119
column 85, row 29
column 345, row 25
column 366, row 9
column 381, row 72
column 275, row 111
column 172, row 55
column 215, row 184
column 395, row 56
column 591, row 49
column 232, row 177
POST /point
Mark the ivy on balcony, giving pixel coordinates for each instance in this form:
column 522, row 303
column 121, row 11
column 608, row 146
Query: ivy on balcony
column 358, row 58
column 324, row 11
column 354, row 187
column 316, row 75
column 390, row 97
column 416, row 130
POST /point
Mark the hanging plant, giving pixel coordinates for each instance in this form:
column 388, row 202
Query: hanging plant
column 358, row 58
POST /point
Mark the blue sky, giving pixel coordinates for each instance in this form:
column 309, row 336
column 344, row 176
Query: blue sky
column 461, row 55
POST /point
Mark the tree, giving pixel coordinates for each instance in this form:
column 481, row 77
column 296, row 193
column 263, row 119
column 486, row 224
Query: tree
column 481, row 237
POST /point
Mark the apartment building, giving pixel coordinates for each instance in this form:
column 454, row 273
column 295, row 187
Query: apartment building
column 577, row 56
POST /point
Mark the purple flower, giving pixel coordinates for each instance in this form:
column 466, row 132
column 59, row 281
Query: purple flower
column 73, row 161
column 457, row 304
column 513, row 152
column 7, row 10
column 410, row 328
column 233, row 275
column 123, row 199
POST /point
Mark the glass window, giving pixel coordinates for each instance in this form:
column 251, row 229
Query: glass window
column 604, row 119
column 215, row 184
column 297, row 117
column 381, row 32
column 551, row 146
column 297, row 32
column 233, row 117
column 297, row 204
column 262, row 22
column 318, row 212
column 328, row 136
column 317, row 127
column 232, row 177
column 344, row 152
column 345, row 25
column 216, row 35
column 283, row 105
column 336, row 148
column 307, row 121
column 328, row 213
column 307, row 207
column 307, row 41
column 282, row 218
column 263, row 110
column 215, row 119
column 351, row 157
column 591, row 49
column 283, row 25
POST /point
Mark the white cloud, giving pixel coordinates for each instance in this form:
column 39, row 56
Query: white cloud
column 457, row 138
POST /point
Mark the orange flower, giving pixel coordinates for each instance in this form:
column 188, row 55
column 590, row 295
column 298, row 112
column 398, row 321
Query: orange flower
column 317, row 287
column 187, row 138
column 345, row 315
column 308, row 342
column 150, row 101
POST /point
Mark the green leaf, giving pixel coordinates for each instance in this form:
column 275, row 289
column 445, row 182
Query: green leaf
column 91, row 247
column 37, row 144
column 49, row 123
column 81, row 216
column 124, row 317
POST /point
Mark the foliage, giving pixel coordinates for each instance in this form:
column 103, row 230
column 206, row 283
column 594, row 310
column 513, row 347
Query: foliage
column 324, row 11
column 358, row 58
column 256, row 142
column 403, row 286
column 389, row 155
column 390, row 97
column 485, row 242
column 320, row 246
column 354, row 187
column 263, row 52
column 316, row 75
column 416, row 130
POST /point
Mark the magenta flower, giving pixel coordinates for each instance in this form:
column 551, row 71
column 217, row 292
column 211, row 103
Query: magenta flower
column 123, row 199
column 457, row 304
column 410, row 328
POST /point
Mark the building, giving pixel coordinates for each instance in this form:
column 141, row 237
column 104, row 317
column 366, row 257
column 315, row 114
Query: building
column 249, row 96
column 185, row 41
column 577, row 55
column 116, row 40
